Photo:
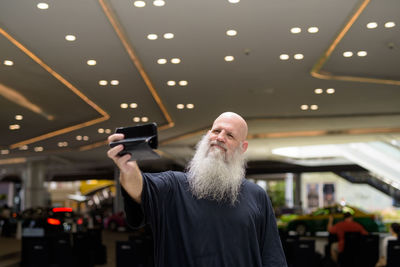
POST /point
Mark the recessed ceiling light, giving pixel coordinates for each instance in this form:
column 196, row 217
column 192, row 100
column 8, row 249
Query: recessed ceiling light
column 189, row 106
column 234, row 1
column 145, row 119
column 14, row 127
column 299, row 56
column 313, row 29
column 390, row 24
column 62, row 144
column 152, row 36
column 168, row 35
column 159, row 3
column 19, row 117
column 79, row 137
column 361, row 53
column 38, row 149
column 229, row 58
column 314, row 107
column 5, row 151
column 295, row 30
column 108, row 131
column 42, row 6
column 330, row 90
column 180, row 106
column 24, row 147
column 348, row 54
column 8, row 62
column 318, row 91
column 70, row 37
column 136, row 119
column 103, row 82
column 139, row 3
column 175, row 60
column 171, row 83
column 85, row 138
column 284, row 57
column 114, row 82
column 124, row 105
column 100, row 130
column 161, row 61
column 91, row 62
column 183, row 83
column 133, row 105
column 372, row 25
column 231, row 32
column 304, row 107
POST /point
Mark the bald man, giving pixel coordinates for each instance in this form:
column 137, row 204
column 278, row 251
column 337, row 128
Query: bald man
column 209, row 216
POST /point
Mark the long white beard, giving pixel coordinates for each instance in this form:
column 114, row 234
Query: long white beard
column 213, row 176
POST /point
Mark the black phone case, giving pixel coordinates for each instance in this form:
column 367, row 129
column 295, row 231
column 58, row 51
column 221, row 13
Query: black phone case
column 139, row 141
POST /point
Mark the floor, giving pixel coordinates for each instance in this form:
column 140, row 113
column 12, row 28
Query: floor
column 10, row 249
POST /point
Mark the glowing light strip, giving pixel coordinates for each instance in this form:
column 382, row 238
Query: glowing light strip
column 316, row 69
column 105, row 115
column 134, row 58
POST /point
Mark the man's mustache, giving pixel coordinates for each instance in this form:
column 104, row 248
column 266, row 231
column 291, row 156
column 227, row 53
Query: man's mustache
column 218, row 143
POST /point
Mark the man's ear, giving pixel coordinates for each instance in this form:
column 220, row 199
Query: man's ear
column 245, row 144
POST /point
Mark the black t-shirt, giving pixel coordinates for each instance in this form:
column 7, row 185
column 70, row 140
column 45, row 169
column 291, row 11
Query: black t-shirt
column 191, row 232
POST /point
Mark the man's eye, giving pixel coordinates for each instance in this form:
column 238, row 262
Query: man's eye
column 216, row 131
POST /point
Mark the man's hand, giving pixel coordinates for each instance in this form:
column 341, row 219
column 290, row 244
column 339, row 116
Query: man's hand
column 130, row 176
column 330, row 222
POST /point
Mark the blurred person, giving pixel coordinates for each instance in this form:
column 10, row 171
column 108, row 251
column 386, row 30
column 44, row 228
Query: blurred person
column 340, row 228
column 394, row 230
column 210, row 215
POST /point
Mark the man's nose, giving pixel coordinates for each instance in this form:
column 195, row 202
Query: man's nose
column 221, row 137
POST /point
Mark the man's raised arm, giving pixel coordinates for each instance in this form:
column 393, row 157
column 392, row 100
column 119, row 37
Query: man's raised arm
column 130, row 176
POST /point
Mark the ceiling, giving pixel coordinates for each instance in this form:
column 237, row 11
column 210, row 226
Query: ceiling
column 59, row 96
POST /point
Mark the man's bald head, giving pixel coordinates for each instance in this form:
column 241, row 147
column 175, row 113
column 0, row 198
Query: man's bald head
column 239, row 123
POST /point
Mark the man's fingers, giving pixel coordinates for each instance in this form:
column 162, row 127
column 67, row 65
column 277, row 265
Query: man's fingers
column 115, row 137
column 113, row 152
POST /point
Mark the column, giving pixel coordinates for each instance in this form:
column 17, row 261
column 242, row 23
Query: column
column 33, row 178
column 289, row 190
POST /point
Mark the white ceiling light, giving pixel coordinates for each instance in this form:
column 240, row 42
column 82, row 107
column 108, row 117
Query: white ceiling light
column 295, row 30
column 284, row 57
column 79, row 137
column 70, row 37
column 152, row 36
column 390, row 24
column 14, row 127
column 62, row 144
column 231, row 32
column 136, row 119
column 314, row 107
column 24, row 147
column 19, row 117
column 189, row 106
column 38, row 149
column 4, row 152
column 91, row 62
column 361, row 53
column 330, row 91
column 100, row 130
column 348, row 54
column 175, row 60
column 85, row 138
column 313, row 29
column 183, row 83
column 139, row 4
column 159, row 3
column 318, row 91
column 108, row 131
column 168, row 35
column 171, row 83
column 124, row 105
column 133, row 105
column 161, row 61
column 298, row 56
column 304, row 107
column 114, row 82
column 180, row 106
column 145, row 119
column 42, row 6
column 103, row 82
column 8, row 62
column 229, row 58
column 372, row 25
column 234, row 1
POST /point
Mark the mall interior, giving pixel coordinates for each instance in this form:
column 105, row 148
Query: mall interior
column 316, row 81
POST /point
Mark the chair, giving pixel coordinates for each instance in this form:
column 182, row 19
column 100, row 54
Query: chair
column 351, row 252
column 393, row 253
column 304, row 254
column 369, row 250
